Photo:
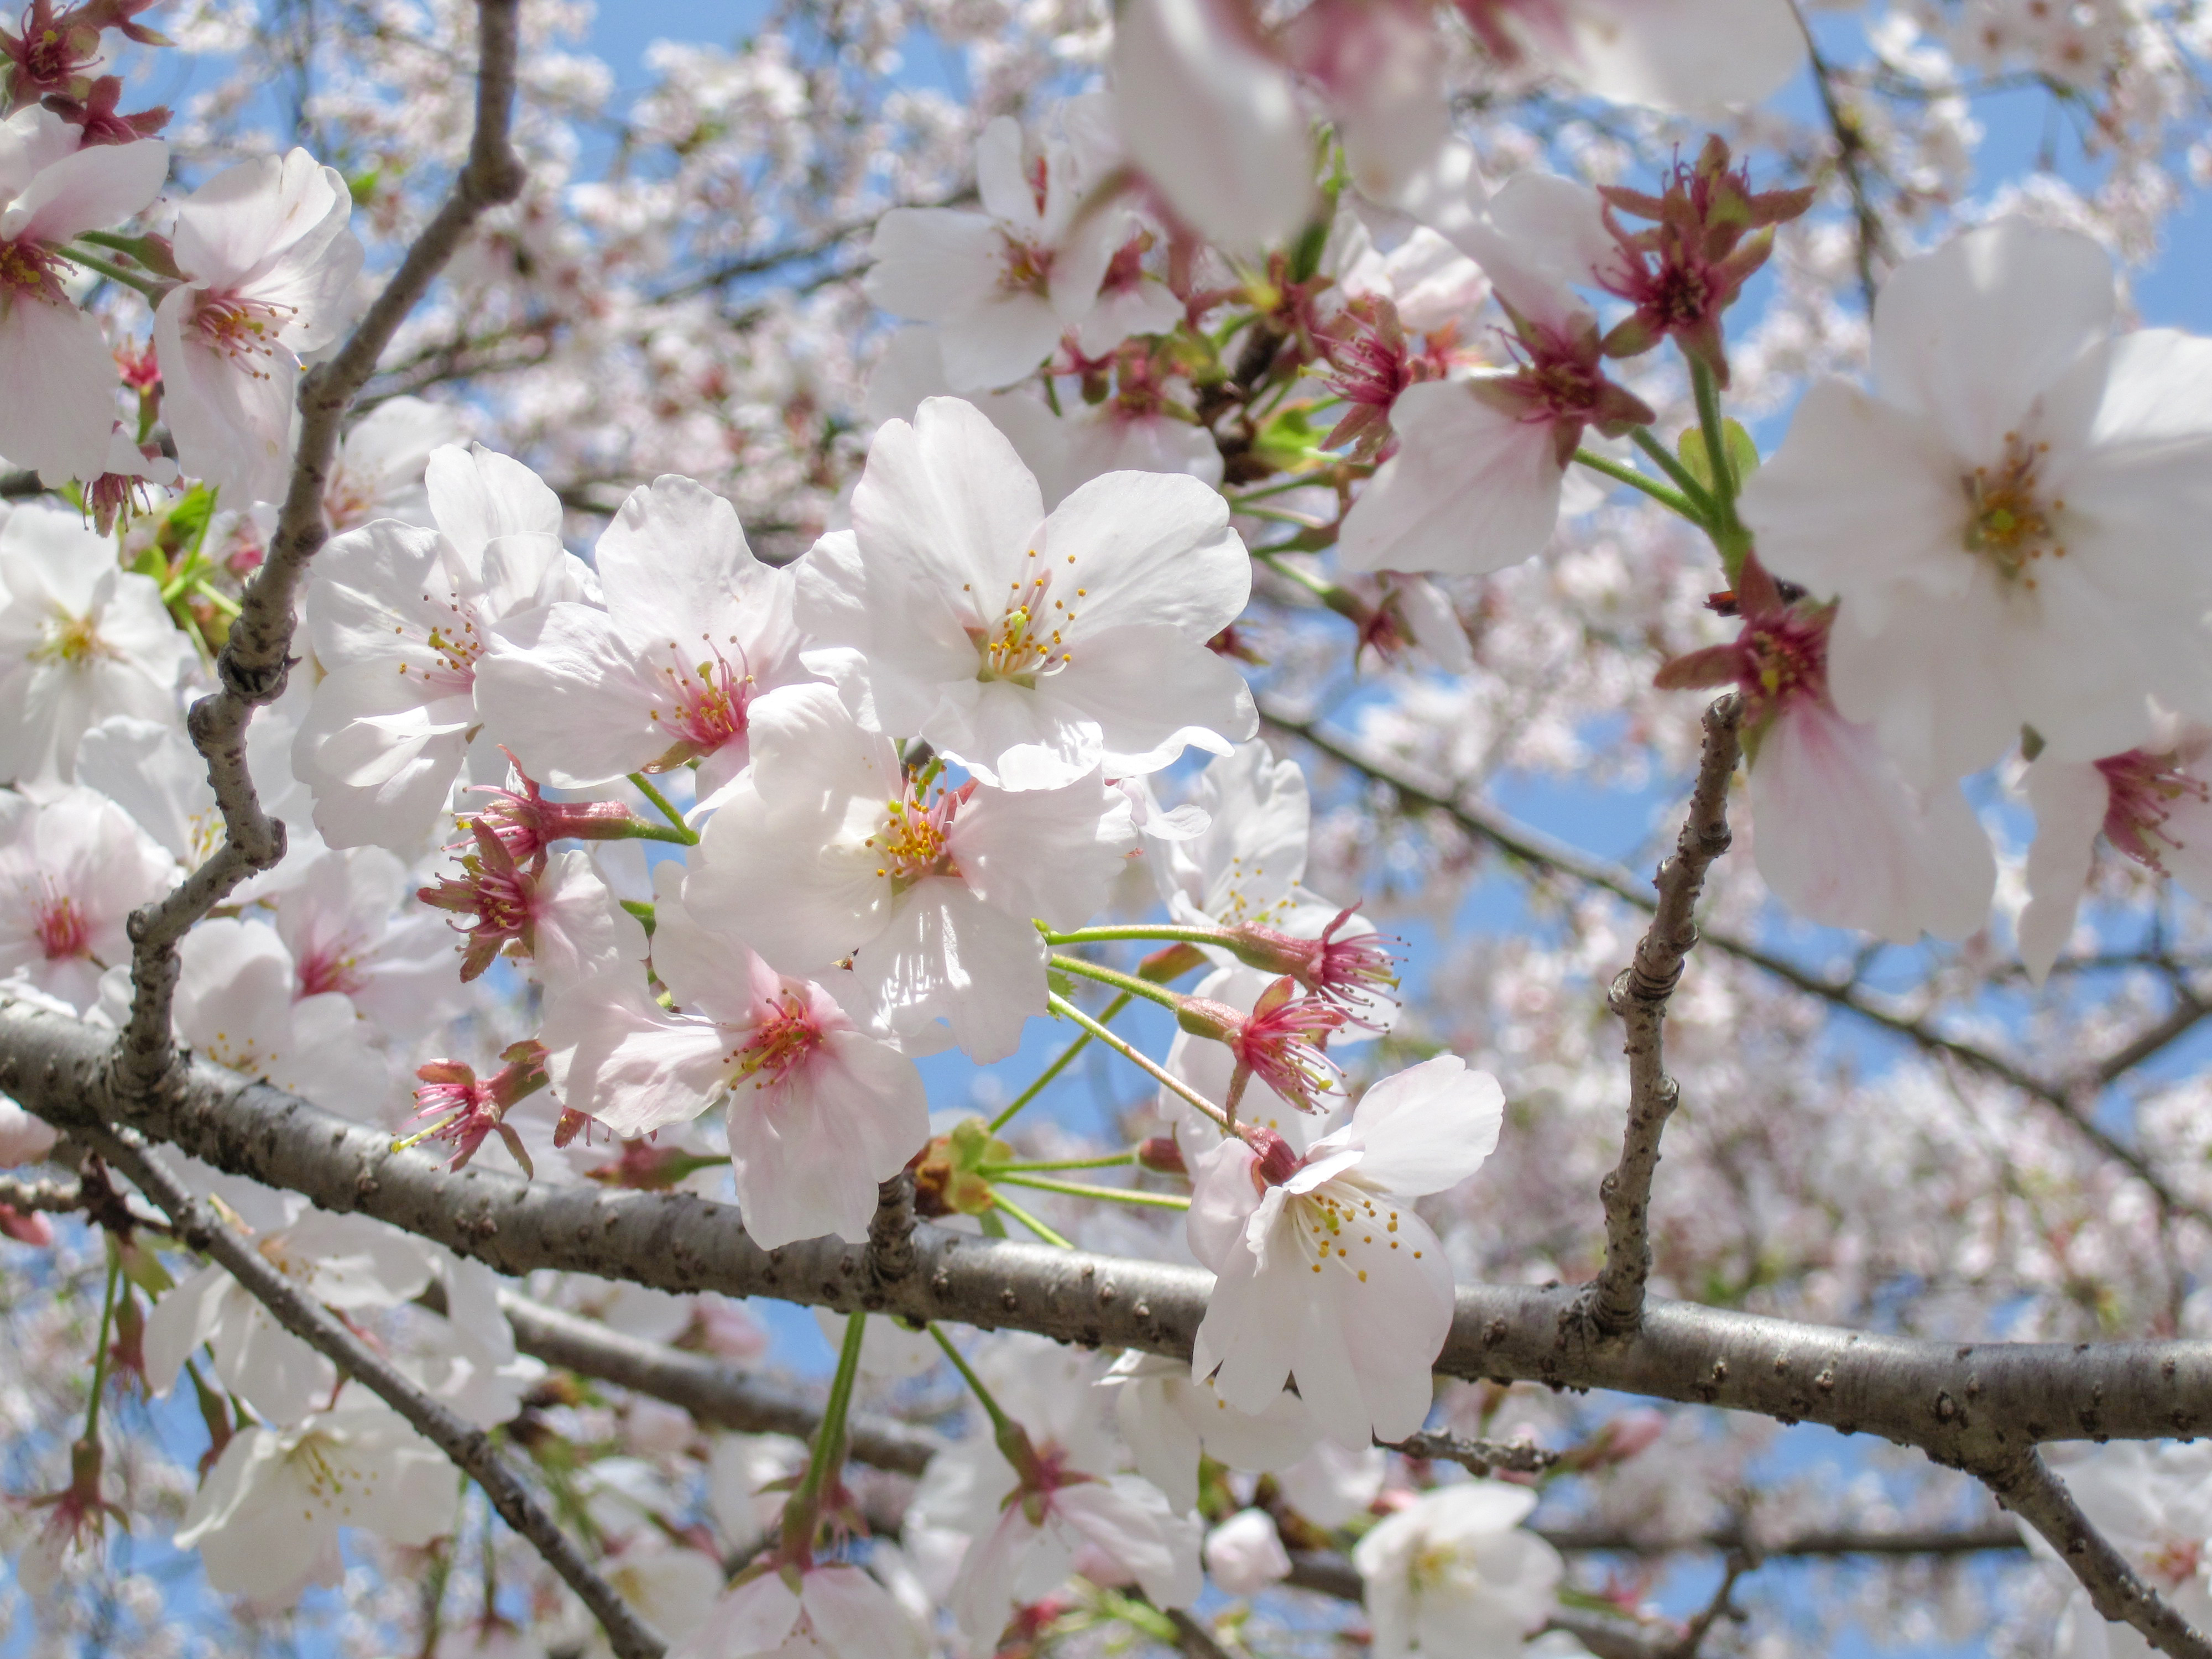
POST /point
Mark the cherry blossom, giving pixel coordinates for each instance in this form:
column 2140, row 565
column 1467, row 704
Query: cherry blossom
column 1841, row 835
column 23, row 1138
column 269, row 268
column 347, row 1263
column 1168, row 1419
column 2153, row 803
column 833, row 1610
column 1002, row 285
column 72, row 869
column 819, row 1111
column 398, row 616
column 1029, row 649
column 380, row 466
column 1682, row 55
column 337, row 914
column 694, row 628
column 1245, row 1554
column 266, row 1522
column 2150, row 1501
column 827, row 850
column 53, row 357
column 80, row 639
column 239, row 1002
column 2011, row 518
column 1454, row 1573
column 1326, row 1272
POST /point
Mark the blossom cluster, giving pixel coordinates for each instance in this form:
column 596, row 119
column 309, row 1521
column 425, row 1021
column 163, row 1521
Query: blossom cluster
column 660, row 863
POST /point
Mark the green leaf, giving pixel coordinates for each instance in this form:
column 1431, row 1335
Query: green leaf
column 1743, row 454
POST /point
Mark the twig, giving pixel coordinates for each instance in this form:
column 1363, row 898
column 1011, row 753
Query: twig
column 1477, row 1457
column 1541, row 852
column 256, row 656
column 1192, row 1639
column 1694, row 1637
column 53, row 1197
column 1996, row 1536
column 2028, row 1486
column 468, row 1446
column 1640, row 995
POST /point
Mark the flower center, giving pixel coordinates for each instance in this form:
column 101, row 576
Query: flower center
column 782, row 1042
column 454, row 647
column 1028, row 269
column 2176, row 1563
column 28, row 269
column 324, row 971
column 1783, row 658
column 1026, row 641
column 2140, row 793
column 1339, row 1223
column 2007, row 521
column 71, row 640
column 62, row 928
column 910, row 845
column 242, row 329
column 708, row 701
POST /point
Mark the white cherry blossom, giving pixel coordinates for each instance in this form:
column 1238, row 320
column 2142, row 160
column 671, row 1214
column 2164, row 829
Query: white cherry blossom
column 266, row 1521
column 80, row 639
column 398, row 616
column 1169, row 1418
column 72, row 869
column 694, row 628
column 1456, row 1573
column 339, row 915
column 826, row 850
column 1689, row 55
column 2151, row 1501
column 269, row 268
column 2012, row 518
column 379, row 470
column 1245, row 1554
column 241, row 1002
column 835, row 1612
column 1002, row 285
column 60, row 407
column 1031, row 649
column 1326, row 1272
column 818, row 1111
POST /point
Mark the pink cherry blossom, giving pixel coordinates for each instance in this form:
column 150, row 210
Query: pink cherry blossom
column 72, row 869
column 1326, row 1272
column 268, row 269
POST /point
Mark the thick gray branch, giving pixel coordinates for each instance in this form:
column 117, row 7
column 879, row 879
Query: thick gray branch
column 1639, row 996
column 257, row 654
column 2026, row 1485
column 469, row 1446
column 1964, row 1405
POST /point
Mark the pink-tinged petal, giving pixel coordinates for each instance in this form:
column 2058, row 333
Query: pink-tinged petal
column 1427, row 1128
column 1969, row 335
column 757, row 1617
column 231, row 414
column 1214, row 122
column 91, row 189
column 1153, row 695
column 1128, row 1519
column 1049, row 854
column 60, row 404
column 634, row 1067
column 1471, row 489
column 2069, row 799
column 856, row 1618
column 239, row 223
column 673, row 560
column 476, row 495
column 562, row 690
column 945, row 954
column 1147, row 549
column 1692, row 57
column 1223, row 1198
column 1247, row 1340
column 945, row 508
column 932, row 264
column 1862, row 500
column 1842, row 839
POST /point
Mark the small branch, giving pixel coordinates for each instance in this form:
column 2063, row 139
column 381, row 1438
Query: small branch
column 1640, row 995
column 1477, row 1457
column 53, row 1197
column 2027, row 1486
column 257, row 654
column 1997, row 1536
column 1194, row 1639
column 1694, row 1637
column 468, row 1446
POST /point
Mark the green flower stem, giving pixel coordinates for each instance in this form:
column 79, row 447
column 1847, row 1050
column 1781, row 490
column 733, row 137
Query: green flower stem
column 1164, row 934
column 1715, row 435
column 1319, row 587
column 1111, row 1161
column 100, row 1356
column 685, row 833
column 1030, row 1222
column 1128, row 984
column 1000, row 1422
column 1693, row 491
column 1044, row 1078
column 1067, row 1009
column 130, row 279
column 641, row 831
column 1078, row 1190
column 1668, row 498
column 802, row 1515
column 219, row 600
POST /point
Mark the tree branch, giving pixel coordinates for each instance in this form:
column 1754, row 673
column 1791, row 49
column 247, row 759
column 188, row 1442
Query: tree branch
column 1531, row 848
column 468, row 1446
column 1477, row 1457
column 256, row 656
column 54, row 1197
column 1962, row 1404
column 1614, row 1301
column 2028, row 1485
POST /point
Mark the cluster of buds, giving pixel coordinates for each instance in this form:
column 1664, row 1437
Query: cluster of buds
column 526, row 823
column 468, row 1109
column 1710, row 232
